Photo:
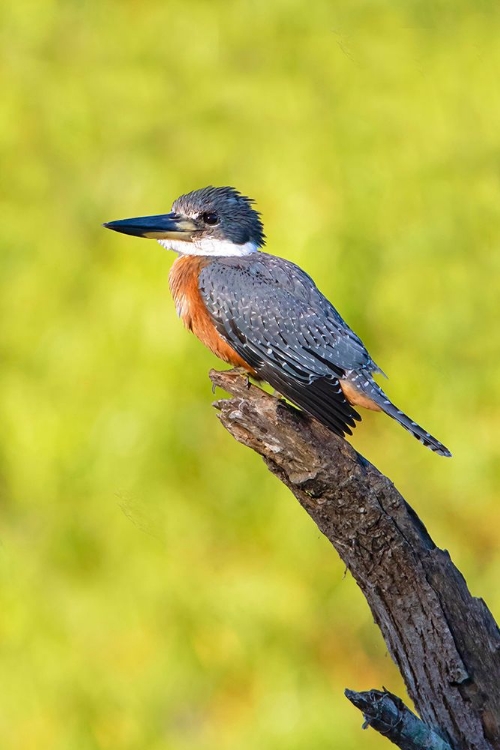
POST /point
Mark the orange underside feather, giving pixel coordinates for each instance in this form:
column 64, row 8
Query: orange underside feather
column 183, row 281
column 356, row 398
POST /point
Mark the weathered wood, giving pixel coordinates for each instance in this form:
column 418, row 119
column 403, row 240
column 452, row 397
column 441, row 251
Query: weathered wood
column 444, row 641
column 388, row 715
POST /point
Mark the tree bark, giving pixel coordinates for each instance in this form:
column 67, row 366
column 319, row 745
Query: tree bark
column 445, row 642
column 388, row 715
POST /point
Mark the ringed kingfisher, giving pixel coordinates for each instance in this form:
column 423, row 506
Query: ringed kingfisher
column 263, row 313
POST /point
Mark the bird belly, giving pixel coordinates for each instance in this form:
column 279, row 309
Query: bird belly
column 183, row 281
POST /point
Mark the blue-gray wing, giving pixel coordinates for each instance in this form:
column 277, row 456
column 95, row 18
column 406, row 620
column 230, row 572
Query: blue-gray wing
column 273, row 315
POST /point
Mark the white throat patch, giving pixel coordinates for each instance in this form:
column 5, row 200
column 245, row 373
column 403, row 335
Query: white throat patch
column 209, row 246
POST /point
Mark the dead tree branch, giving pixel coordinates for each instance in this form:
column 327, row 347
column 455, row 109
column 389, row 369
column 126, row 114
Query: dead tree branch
column 445, row 642
column 388, row 715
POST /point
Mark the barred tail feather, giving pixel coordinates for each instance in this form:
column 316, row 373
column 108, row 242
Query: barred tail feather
column 367, row 386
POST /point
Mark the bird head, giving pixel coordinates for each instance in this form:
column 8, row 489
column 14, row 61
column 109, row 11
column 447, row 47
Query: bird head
column 210, row 221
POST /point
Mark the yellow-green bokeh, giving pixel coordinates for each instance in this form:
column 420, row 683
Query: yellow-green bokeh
column 158, row 589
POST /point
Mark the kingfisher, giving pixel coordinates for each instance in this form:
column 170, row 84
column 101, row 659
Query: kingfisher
column 263, row 313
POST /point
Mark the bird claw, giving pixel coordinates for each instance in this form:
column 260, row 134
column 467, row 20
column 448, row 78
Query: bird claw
column 242, row 371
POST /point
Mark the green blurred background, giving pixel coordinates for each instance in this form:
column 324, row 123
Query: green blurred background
column 158, row 588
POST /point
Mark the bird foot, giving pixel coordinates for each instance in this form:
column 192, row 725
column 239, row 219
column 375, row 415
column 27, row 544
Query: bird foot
column 242, row 371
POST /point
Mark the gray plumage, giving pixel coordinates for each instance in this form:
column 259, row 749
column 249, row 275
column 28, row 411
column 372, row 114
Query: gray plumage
column 236, row 219
column 271, row 312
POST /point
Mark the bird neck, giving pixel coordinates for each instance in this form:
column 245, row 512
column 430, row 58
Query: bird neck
column 208, row 246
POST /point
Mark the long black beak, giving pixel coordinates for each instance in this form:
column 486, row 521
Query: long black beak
column 163, row 227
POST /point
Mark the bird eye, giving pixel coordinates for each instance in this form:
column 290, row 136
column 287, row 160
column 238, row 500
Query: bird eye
column 210, row 218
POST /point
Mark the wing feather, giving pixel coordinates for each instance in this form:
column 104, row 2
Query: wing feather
column 273, row 315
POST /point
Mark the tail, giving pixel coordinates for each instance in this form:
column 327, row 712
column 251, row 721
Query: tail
column 364, row 383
